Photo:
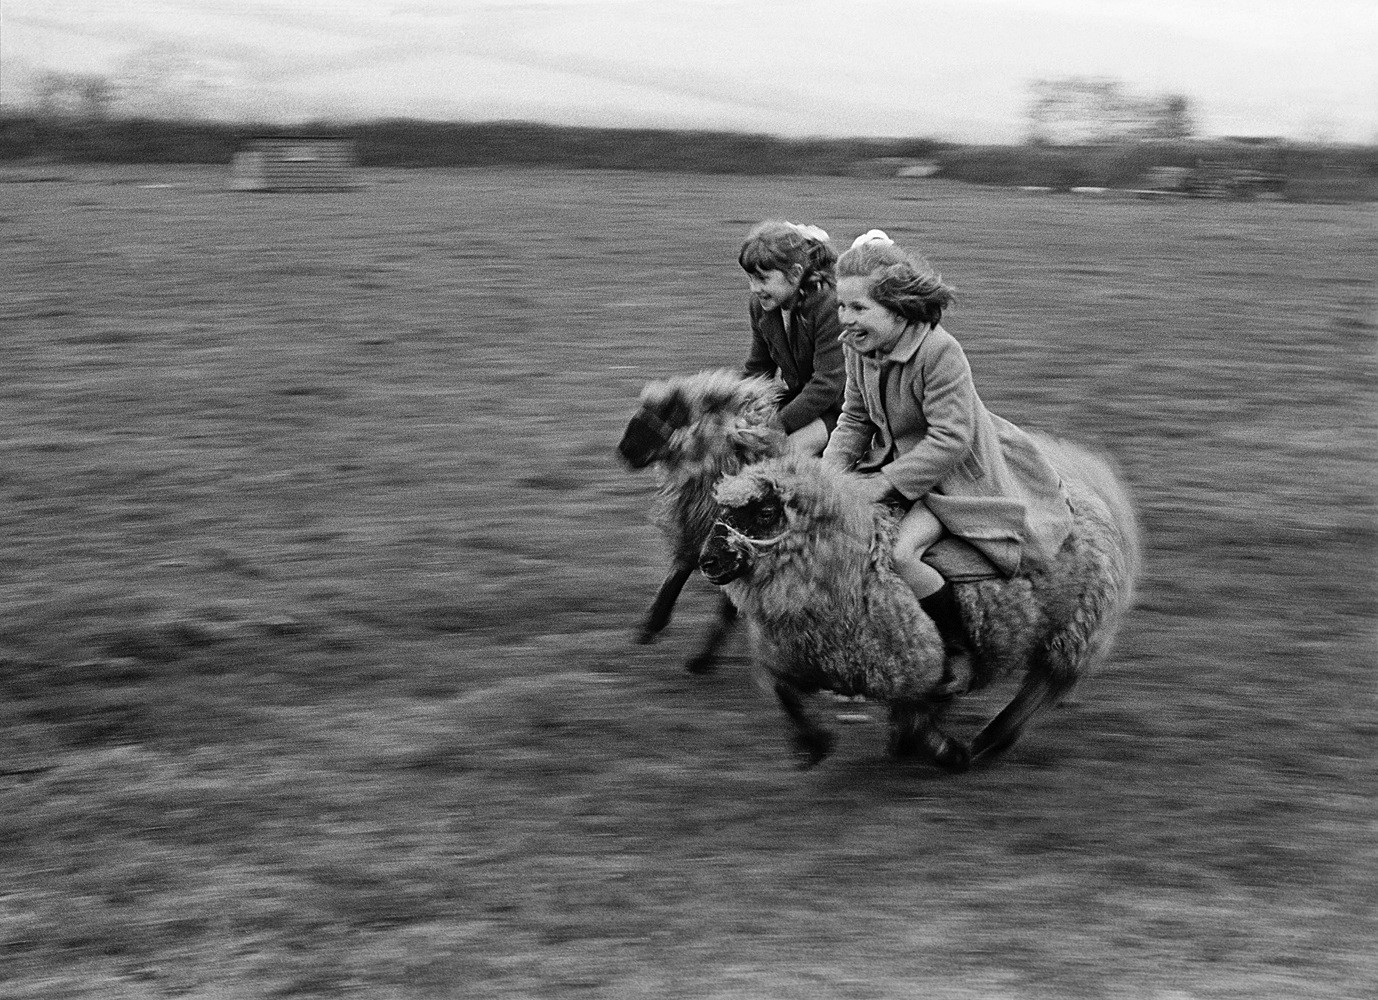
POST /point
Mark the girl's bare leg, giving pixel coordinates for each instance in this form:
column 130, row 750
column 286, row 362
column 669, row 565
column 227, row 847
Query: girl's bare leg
column 809, row 440
column 918, row 529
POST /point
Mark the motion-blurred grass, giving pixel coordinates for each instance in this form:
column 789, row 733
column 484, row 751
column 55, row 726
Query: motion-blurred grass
column 319, row 573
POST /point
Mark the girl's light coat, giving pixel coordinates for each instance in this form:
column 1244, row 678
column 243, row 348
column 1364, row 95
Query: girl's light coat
column 914, row 416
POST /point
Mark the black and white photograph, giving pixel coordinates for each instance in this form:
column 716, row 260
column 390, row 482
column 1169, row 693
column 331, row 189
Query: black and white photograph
column 688, row 500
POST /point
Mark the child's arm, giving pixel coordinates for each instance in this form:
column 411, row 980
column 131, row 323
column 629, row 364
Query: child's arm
column 855, row 431
column 820, row 393
column 950, row 407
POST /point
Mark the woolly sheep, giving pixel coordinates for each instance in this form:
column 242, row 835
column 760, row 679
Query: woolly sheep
column 695, row 429
column 807, row 562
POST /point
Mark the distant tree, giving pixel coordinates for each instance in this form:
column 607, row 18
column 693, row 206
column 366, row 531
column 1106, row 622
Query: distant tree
column 1071, row 111
column 1176, row 117
column 86, row 96
column 1075, row 111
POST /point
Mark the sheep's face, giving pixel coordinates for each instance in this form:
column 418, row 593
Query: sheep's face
column 648, row 433
column 745, row 524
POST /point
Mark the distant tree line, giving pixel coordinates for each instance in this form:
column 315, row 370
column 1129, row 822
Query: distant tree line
column 406, row 143
column 59, row 138
column 1082, row 111
column 417, row 144
column 1082, row 132
column 1127, row 164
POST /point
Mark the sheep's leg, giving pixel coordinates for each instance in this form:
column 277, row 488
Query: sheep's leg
column 1039, row 689
column 914, row 732
column 706, row 658
column 1053, row 672
column 811, row 741
column 658, row 615
column 1003, row 731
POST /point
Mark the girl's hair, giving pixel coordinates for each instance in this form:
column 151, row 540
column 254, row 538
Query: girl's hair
column 903, row 282
column 775, row 245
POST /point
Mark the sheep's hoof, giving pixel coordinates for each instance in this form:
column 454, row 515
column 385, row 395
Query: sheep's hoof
column 929, row 744
column 990, row 745
column 644, row 635
column 952, row 757
column 702, row 663
column 811, row 750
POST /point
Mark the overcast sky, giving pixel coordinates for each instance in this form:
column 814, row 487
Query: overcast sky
column 955, row 69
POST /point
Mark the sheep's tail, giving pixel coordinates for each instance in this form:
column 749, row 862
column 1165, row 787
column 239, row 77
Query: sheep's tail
column 1112, row 532
column 1097, row 474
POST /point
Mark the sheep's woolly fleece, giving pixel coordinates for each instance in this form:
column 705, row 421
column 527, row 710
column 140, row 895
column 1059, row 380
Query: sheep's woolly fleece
column 826, row 596
column 830, row 609
column 730, row 425
column 730, row 422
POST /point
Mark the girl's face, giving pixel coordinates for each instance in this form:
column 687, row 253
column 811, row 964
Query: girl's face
column 774, row 288
column 866, row 324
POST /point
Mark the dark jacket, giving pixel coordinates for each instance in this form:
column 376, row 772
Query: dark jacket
column 808, row 358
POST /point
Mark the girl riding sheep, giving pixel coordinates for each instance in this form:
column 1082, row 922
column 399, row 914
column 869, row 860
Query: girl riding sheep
column 795, row 328
column 914, row 427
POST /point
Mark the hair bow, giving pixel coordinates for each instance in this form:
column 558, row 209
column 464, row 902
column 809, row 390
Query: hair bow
column 872, row 236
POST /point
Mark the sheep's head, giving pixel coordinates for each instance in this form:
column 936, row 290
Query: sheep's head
column 664, row 410
column 702, row 419
column 767, row 512
column 747, row 521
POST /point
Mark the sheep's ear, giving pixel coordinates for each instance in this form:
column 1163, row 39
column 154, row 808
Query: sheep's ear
column 674, row 409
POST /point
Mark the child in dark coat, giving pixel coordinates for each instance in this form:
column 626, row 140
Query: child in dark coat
column 794, row 327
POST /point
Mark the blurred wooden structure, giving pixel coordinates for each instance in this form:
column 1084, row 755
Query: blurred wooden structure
column 294, row 163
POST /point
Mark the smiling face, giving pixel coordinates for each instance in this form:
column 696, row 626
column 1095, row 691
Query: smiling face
column 772, row 288
column 866, row 324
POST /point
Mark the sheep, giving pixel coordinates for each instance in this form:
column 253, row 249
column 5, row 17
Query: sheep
column 697, row 429
column 807, row 561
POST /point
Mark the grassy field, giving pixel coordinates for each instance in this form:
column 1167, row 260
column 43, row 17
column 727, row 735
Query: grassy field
column 319, row 575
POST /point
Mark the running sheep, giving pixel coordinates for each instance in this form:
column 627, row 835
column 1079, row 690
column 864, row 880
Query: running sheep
column 696, row 429
column 807, row 561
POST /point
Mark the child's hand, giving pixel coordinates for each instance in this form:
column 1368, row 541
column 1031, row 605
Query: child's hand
column 874, row 488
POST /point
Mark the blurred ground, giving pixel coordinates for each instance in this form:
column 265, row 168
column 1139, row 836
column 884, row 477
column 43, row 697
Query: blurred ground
column 318, row 577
